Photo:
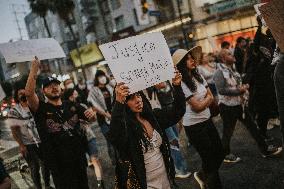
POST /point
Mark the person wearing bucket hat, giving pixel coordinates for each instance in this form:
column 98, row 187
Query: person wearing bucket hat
column 198, row 125
column 58, row 126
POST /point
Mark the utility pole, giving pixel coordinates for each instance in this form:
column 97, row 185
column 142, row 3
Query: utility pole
column 182, row 28
column 19, row 11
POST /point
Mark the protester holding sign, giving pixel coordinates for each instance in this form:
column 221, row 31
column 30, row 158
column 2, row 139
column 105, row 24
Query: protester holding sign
column 58, row 123
column 198, row 125
column 100, row 96
column 137, row 133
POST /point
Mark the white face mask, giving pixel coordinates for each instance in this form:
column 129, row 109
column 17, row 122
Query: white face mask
column 70, row 86
column 112, row 82
column 102, row 80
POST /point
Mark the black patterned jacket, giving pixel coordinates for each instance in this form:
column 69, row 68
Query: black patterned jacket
column 123, row 137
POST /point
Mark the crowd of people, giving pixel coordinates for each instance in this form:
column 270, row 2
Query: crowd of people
column 54, row 126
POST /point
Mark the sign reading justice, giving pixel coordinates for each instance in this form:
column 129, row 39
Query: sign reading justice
column 141, row 61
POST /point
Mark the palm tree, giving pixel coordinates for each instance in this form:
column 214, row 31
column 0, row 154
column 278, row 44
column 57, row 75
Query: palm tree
column 41, row 7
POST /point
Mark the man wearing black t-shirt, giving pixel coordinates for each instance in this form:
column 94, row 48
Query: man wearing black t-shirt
column 58, row 122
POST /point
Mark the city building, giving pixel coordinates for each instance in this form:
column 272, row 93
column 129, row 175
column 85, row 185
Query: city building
column 216, row 21
column 177, row 27
column 60, row 32
column 10, row 72
column 96, row 20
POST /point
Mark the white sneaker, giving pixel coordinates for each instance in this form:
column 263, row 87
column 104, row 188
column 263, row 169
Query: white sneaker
column 231, row 158
column 199, row 180
column 186, row 175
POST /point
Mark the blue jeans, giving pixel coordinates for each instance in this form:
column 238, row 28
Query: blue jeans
column 179, row 161
column 105, row 129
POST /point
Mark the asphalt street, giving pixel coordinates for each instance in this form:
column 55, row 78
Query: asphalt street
column 253, row 172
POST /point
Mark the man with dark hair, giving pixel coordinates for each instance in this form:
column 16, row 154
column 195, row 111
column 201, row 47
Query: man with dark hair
column 58, row 125
column 239, row 54
column 225, row 45
column 24, row 131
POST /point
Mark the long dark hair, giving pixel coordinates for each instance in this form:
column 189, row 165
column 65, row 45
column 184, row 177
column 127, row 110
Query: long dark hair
column 19, row 85
column 147, row 114
column 188, row 75
column 97, row 75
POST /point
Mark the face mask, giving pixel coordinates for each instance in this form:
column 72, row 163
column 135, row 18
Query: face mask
column 70, row 86
column 82, row 86
column 102, row 80
column 112, row 82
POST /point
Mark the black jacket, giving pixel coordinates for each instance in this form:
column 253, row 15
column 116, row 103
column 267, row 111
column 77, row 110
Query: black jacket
column 123, row 135
column 239, row 55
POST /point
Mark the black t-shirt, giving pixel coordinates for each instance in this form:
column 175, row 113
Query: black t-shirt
column 83, row 95
column 59, row 130
column 165, row 98
column 107, row 97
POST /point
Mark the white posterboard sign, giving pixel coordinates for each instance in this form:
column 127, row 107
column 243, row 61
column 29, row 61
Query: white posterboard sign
column 26, row 50
column 2, row 93
column 140, row 61
column 256, row 8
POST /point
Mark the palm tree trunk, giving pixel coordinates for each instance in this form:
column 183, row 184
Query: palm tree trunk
column 46, row 27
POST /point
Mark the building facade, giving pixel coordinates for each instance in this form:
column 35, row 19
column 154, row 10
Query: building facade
column 60, row 32
column 216, row 21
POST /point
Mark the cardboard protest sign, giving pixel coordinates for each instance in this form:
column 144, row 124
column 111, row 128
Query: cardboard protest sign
column 273, row 15
column 2, row 93
column 256, row 7
column 141, row 61
column 26, row 50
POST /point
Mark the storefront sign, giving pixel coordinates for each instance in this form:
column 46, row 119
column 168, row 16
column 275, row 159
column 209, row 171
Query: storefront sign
column 141, row 61
column 226, row 6
column 127, row 32
column 89, row 54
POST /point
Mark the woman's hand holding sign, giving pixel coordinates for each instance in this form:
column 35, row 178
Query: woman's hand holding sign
column 121, row 92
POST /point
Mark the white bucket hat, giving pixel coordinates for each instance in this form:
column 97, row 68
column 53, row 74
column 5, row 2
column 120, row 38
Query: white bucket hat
column 181, row 53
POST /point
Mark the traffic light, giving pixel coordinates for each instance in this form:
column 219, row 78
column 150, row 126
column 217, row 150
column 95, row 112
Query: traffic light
column 145, row 6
